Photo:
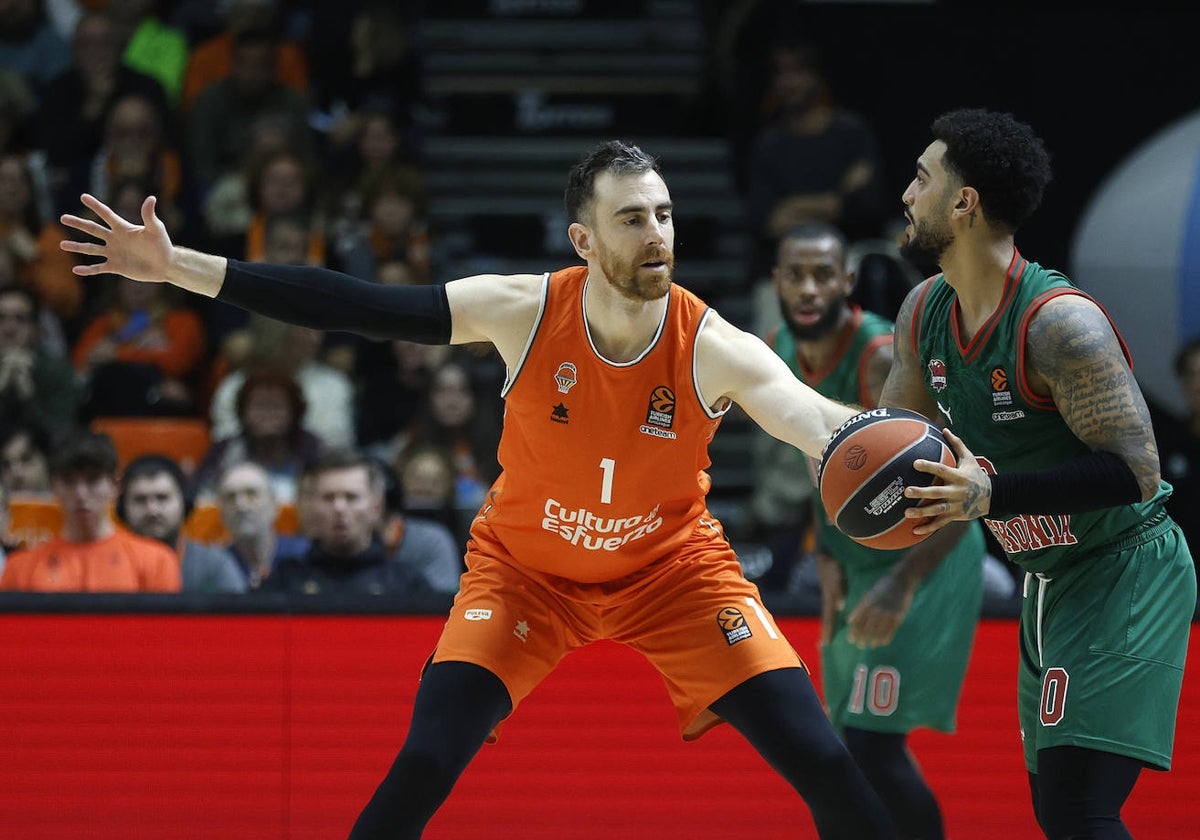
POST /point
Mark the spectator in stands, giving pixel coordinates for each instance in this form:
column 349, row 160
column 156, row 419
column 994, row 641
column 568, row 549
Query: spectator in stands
column 348, row 554
column 393, row 227
column 222, row 120
column 154, row 502
column 1179, row 443
column 457, row 420
column 249, row 511
column 34, row 243
column 374, row 150
column 393, row 389
column 142, row 355
column 35, row 388
column 29, row 43
column 25, row 458
column 92, row 554
column 75, row 105
column 51, row 336
column 427, row 478
column 270, row 406
column 275, row 182
column 815, row 162
column 213, row 58
column 427, row 543
column 135, row 150
column 328, row 392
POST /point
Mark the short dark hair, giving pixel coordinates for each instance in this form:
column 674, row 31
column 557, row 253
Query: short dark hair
column 347, row 459
column 998, row 155
column 614, row 156
column 816, row 230
column 150, row 466
column 84, row 453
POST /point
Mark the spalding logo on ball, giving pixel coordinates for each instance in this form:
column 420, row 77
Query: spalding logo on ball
column 865, row 467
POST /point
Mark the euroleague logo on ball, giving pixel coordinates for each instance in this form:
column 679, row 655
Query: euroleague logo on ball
column 856, row 458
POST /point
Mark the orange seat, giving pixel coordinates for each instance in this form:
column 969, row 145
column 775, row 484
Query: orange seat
column 33, row 519
column 185, row 439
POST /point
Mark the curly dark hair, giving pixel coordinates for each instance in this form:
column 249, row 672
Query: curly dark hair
column 1001, row 157
column 614, row 156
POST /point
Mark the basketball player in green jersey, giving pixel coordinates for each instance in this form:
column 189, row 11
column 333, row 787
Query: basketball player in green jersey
column 1056, row 451
column 897, row 626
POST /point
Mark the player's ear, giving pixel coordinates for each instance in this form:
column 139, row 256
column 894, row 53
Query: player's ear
column 967, row 203
column 581, row 238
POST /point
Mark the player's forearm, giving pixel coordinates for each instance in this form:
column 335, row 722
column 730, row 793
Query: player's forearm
column 203, row 274
column 329, row 300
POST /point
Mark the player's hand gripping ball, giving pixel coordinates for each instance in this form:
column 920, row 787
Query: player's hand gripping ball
column 865, row 467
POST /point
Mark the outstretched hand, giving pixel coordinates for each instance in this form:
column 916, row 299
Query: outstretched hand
column 961, row 492
column 139, row 252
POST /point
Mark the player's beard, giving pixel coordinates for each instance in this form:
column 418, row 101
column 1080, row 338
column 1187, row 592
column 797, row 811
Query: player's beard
column 827, row 323
column 637, row 283
column 929, row 241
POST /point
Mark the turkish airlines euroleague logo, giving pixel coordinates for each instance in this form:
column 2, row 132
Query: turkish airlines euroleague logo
column 733, row 624
column 660, row 413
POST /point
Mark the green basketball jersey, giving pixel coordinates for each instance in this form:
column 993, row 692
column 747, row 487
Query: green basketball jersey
column 981, row 390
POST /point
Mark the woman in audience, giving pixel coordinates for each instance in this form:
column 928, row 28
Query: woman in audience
column 270, row 407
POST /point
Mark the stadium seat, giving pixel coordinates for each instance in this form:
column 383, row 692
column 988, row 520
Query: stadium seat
column 185, row 439
column 33, row 519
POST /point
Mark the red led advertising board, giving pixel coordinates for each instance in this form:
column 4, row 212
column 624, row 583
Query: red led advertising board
column 280, row 726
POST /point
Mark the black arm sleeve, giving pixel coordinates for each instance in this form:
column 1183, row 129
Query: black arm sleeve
column 329, row 300
column 1089, row 482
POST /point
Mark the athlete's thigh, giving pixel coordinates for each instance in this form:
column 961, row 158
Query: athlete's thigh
column 1097, row 641
column 508, row 622
column 706, row 630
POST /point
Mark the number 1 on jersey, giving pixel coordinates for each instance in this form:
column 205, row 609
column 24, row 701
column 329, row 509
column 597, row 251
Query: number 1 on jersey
column 607, row 465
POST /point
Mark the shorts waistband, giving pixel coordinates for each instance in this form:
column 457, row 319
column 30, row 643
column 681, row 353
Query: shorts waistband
column 1143, row 532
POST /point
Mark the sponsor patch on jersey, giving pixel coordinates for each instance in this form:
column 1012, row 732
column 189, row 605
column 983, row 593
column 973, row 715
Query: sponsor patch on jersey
column 1001, row 395
column 566, row 377
column 558, row 414
column 733, row 624
column 1004, row 416
column 661, row 411
column 477, row 615
column 937, row 374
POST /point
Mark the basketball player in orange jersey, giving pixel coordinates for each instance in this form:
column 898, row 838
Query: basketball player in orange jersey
column 597, row 527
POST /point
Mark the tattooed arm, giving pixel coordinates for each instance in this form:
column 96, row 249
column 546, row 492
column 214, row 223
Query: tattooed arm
column 1075, row 358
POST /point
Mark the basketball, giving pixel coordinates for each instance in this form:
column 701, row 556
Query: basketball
column 866, row 466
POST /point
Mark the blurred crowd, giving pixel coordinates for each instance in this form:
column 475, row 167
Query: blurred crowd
column 260, row 143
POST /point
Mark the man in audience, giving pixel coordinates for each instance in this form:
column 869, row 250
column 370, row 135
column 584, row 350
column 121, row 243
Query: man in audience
column 92, row 554
column 345, row 511
column 155, row 504
column 249, row 511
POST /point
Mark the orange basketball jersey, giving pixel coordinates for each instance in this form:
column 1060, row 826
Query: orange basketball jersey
column 603, row 463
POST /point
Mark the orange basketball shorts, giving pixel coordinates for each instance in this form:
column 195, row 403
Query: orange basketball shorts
column 693, row 616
